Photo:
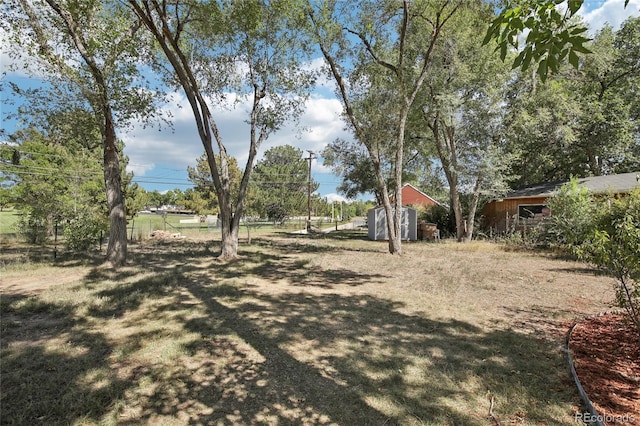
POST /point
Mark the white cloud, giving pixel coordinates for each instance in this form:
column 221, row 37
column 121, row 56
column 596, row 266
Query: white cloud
column 611, row 11
column 14, row 60
column 179, row 147
column 148, row 146
column 318, row 126
column 333, row 197
column 139, row 169
column 323, row 81
column 319, row 167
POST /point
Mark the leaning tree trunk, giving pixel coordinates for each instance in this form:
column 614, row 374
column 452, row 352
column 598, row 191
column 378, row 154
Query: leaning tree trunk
column 394, row 231
column 117, row 247
column 395, row 238
column 395, row 244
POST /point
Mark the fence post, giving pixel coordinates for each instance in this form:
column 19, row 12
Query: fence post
column 55, row 240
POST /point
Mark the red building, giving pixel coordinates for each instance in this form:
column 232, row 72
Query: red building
column 412, row 196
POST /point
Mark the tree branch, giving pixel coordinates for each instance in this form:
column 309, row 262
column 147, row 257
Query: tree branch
column 372, row 52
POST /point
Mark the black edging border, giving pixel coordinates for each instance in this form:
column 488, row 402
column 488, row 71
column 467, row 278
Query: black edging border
column 585, row 398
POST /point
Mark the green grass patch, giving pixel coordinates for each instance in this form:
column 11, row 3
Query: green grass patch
column 8, row 221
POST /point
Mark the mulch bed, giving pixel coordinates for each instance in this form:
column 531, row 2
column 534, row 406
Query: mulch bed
column 606, row 352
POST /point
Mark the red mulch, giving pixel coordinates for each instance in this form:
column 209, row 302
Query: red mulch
column 606, row 352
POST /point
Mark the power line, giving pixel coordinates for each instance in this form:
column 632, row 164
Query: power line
column 70, row 157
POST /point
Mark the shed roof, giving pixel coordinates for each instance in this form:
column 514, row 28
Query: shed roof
column 621, row 183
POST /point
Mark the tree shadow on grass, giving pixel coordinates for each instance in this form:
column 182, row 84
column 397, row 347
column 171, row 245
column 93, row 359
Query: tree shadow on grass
column 326, row 242
column 296, row 358
column 545, row 323
column 120, row 299
column 54, row 371
column 300, row 272
column 243, row 354
column 294, row 243
column 346, row 235
column 579, row 269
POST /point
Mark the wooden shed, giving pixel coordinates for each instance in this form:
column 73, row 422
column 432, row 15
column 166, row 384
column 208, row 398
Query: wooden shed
column 528, row 206
column 377, row 224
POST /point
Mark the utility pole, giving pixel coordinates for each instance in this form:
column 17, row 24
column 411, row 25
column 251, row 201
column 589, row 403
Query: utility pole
column 310, row 158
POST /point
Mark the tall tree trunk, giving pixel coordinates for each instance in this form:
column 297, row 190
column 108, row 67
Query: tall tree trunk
column 222, row 185
column 472, row 210
column 230, row 216
column 229, row 244
column 395, row 246
column 393, row 230
column 395, row 238
column 444, row 137
column 117, row 247
column 457, row 209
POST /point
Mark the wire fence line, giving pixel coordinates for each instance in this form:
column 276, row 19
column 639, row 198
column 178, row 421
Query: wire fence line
column 142, row 226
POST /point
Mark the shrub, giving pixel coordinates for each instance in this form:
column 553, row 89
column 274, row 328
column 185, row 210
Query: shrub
column 614, row 246
column 83, row 232
column 276, row 212
column 573, row 216
column 440, row 216
column 33, row 228
column 533, row 237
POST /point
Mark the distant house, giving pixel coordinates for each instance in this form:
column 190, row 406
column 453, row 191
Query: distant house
column 412, row 196
column 528, row 206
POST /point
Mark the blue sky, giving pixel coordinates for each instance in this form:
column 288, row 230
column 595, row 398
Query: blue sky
column 598, row 12
column 159, row 157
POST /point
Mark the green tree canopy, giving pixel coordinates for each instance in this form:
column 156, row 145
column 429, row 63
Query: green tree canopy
column 581, row 122
column 280, row 182
column 200, row 175
column 53, row 184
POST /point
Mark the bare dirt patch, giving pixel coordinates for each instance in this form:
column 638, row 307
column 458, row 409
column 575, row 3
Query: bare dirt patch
column 31, row 282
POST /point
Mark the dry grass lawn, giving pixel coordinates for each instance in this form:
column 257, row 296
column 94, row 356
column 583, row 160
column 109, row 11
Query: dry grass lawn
column 324, row 330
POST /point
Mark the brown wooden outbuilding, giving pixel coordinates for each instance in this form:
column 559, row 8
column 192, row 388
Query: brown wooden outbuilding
column 527, row 206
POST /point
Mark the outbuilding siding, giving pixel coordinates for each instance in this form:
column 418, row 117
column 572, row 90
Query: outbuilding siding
column 412, row 196
column 503, row 214
column 377, row 224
